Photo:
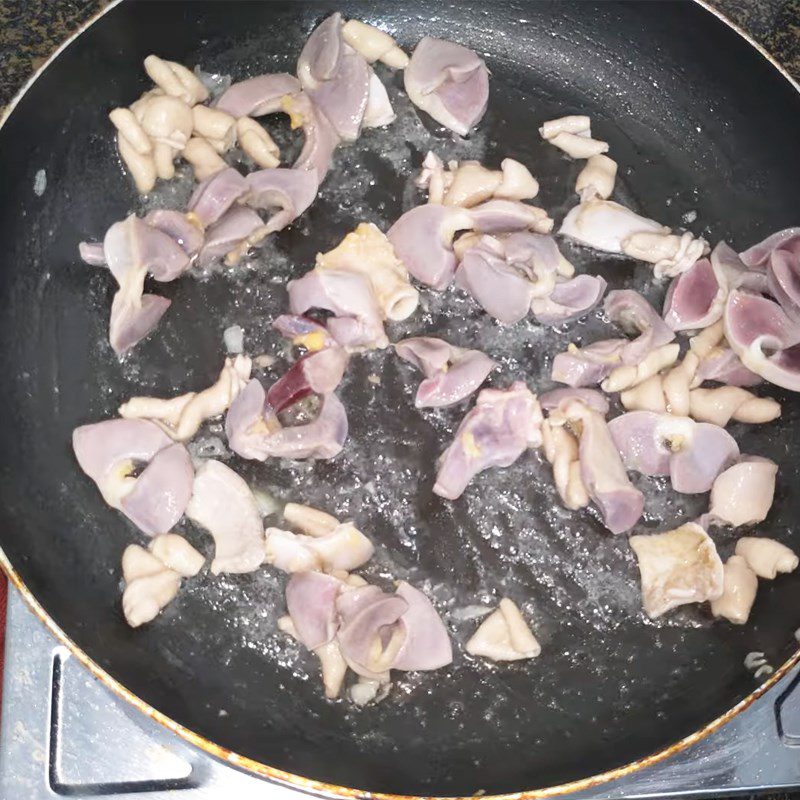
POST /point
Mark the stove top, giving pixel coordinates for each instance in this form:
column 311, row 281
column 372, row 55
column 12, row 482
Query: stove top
column 64, row 734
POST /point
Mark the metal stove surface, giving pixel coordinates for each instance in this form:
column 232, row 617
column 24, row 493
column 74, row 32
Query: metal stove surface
column 63, row 733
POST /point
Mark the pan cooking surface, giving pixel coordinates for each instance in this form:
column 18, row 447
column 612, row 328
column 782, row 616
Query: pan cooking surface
column 692, row 135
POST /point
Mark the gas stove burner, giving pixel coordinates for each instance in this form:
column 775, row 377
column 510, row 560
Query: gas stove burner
column 64, row 734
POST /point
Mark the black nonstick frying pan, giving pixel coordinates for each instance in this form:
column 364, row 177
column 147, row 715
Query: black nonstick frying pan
column 701, row 124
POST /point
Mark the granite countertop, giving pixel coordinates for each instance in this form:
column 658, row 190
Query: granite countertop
column 31, row 29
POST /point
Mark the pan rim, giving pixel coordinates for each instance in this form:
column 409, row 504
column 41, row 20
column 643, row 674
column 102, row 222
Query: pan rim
column 321, row 788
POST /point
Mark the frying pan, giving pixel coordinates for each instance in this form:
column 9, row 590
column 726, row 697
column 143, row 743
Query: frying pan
column 704, row 129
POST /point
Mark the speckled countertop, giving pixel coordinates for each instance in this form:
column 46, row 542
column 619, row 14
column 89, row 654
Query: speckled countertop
column 31, row 29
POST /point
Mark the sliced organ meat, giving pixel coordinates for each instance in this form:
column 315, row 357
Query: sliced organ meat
column 758, row 256
column 739, row 587
column 696, row 298
column 314, row 373
column 245, row 423
column 374, row 44
column 223, row 504
column 308, row 520
column 371, row 638
column 215, row 195
column 468, row 183
column 426, row 644
column 495, row 433
column 109, row 451
column 231, row 236
column 255, row 142
column 537, row 256
column 669, row 253
column 131, row 249
column 678, row 567
column 743, row 493
column 332, row 663
column 449, row 82
column 508, row 216
column 178, row 227
column 766, row 557
column 334, row 668
column 588, row 366
column 379, row 111
column 637, row 317
column 303, row 332
column 560, row 448
column 355, row 599
column 765, row 339
column 434, row 177
column 778, row 256
column 367, row 251
column 605, row 225
column 502, row 290
column 251, row 434
column 92, row 253
column 288, row 552
column 511, row 274
column 343, row 548
column 596, row 362
column 573, row 135
column 516, row 181
column 335, row 77
column 344, row 98
column 608, row 226
column 349, row 623
column 569, row 300
column 323, row 438
column 257, row 96
column 321, row 54
column 289, row 192
column 724, row 366
column 692, row 300
column 320, row 138
column 557, row 399
column 311, row 602
column 426, row 353
column 612, row 359
column 357, row 322
column 423, row 236
column 691, row 453
column 504, row 636
column 161, row 493
column 133, row 246
column 181, row 417
column 717, row 361
column 177, row 554
column 134, row 316
column 423, row 240
column 597, row 178
column 602, row 470
column 451, row 373
column 783, row 279
column 672, row 391
column 627, row 376
column 726, row 403
column 149, row 586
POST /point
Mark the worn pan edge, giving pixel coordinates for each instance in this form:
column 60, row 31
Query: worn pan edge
column 306, row 785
